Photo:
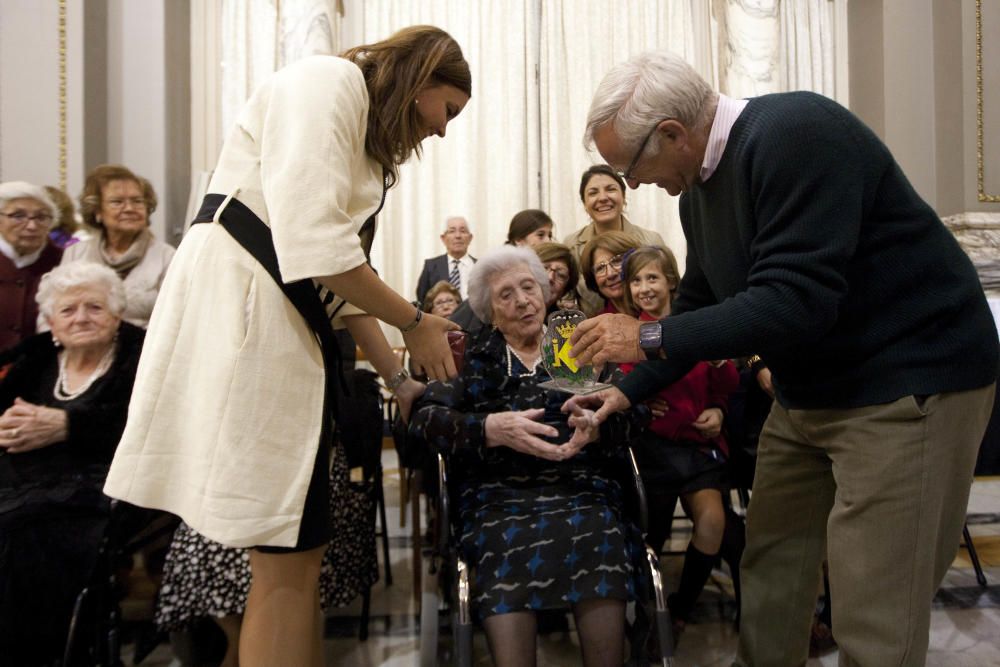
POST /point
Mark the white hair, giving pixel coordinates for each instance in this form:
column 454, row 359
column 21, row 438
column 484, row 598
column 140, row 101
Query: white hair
column 497, row 261
column 455, row 217
column 642, row 91
column 66, row 277
column 23, row 190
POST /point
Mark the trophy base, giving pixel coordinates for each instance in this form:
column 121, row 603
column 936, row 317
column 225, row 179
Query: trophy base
column 579, row 390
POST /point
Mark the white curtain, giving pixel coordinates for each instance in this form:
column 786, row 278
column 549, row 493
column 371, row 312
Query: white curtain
column 580, row 41
column 486, row 167
column 808, row 50
column 261, row 36
column 535, row 65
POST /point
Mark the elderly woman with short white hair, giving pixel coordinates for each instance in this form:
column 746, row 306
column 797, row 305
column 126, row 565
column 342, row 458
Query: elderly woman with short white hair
column 62, row 411
column 541, row 522
column 27, row 213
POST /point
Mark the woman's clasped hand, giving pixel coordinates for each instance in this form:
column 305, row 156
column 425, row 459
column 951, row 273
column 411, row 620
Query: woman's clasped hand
column 523, row 431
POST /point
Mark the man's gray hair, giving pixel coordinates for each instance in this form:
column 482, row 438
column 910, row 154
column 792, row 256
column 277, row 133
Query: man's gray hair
column 645, row 89
column 66, row 277
column 495, row 262
column 448, row 220
column 23, row 190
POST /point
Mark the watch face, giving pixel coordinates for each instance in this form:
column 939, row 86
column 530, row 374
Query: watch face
column 650, row 336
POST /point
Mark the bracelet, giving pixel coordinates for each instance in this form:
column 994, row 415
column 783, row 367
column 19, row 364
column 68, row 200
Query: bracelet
column 397, row 380
column 413, row 325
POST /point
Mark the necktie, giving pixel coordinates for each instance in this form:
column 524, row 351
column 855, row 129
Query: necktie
column 455, row 278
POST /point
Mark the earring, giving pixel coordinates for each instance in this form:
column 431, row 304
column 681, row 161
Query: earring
column 56, row 343
column 416, row 101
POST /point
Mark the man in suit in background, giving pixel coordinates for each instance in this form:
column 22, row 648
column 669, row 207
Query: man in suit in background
column 454, row 265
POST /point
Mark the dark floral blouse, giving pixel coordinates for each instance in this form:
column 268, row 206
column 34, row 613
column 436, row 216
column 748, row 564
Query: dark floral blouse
column 451, row 416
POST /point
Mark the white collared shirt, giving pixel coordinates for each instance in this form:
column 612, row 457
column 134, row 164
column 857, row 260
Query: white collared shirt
column 726, row 113
column 20, row 261
column 464, row 269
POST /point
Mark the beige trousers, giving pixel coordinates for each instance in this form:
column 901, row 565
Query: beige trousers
column 882, row 491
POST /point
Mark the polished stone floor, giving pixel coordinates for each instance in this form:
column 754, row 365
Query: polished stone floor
column 965, row 626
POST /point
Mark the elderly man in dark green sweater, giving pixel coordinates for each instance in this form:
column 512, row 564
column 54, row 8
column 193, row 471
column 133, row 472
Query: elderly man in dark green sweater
column 808, row 246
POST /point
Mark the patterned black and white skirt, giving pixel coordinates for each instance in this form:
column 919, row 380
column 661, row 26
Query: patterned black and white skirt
column 202, row 578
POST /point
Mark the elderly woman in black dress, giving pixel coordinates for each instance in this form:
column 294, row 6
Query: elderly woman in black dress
column 62, row 410
column 541, row 521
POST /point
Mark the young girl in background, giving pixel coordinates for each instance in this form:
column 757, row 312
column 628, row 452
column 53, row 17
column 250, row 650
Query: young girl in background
column 683, row 453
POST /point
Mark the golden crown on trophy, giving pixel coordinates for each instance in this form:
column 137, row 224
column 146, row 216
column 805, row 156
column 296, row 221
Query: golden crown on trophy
column 566, row 330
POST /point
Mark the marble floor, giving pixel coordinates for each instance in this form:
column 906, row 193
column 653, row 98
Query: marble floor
column 965, row 625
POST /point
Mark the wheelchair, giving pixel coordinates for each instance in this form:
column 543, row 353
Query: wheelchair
column 447, row 578
column 95, row 628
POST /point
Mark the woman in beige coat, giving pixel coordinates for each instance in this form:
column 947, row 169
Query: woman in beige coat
column 116, row 204
column 229, row 424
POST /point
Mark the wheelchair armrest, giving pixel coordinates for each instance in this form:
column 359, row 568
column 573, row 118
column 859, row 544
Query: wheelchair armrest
column 640, row 492
column 444, row 507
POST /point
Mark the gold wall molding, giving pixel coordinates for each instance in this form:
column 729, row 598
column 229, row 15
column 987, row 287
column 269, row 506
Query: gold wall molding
column 62, row 95
column 980, row 158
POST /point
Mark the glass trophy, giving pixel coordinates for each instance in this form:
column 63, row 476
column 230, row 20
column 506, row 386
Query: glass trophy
column 566, row 375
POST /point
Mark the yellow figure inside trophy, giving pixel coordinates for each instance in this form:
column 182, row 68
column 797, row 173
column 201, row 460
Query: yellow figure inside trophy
column 562, row 368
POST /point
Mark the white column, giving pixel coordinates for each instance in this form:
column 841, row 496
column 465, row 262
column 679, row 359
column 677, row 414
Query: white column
column 137, row 93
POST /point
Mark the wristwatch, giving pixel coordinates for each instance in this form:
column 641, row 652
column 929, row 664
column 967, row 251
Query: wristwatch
column 397, row 380
column 651, row 339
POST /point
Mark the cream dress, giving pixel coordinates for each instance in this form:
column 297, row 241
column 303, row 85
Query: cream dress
column 225, row 415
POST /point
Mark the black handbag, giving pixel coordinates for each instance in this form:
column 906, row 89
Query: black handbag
column 359, row 425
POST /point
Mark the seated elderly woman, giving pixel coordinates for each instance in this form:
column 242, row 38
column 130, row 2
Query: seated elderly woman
column 63, row 406
column 542, row 523
column 562, row 271
column 442, row 299
column 117, row 203
column 27, row 213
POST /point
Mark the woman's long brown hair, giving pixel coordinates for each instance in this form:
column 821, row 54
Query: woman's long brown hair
column 395, row 70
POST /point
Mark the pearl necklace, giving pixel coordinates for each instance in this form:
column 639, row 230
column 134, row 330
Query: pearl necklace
column 510, row 363
column 63, row 394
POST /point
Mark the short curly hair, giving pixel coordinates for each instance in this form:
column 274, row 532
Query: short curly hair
column 496, row 262
column 97, row 179
column 12, row 190
column 440, row 286
column 80, row 274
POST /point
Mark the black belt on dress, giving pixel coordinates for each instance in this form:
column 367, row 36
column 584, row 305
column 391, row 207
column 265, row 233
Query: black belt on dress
column 255, row 237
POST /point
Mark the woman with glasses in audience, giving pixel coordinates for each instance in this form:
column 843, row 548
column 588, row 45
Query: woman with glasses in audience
column 564, row 273
column 27, row 213
column 602, row 192
column 442, row 299
column 601, row 264
column 117, row 204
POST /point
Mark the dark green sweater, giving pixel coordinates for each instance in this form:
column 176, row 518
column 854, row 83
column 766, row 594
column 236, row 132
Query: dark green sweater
column 809, row 247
